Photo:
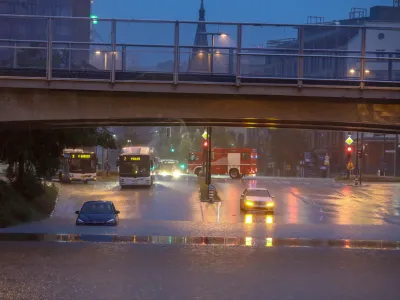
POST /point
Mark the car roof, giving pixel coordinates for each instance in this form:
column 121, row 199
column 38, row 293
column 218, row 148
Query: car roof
column 97, row 201
column 257, row 189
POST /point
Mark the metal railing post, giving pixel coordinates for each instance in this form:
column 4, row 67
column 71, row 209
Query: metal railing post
column 123, row 58
column 176, row 53
column 114, row 48
column 69, row 56
column 238, row 54
column 15, row 63
column 363, row 52
column 49, row 60
column 300, row 62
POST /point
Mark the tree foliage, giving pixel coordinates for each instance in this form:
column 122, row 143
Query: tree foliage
column 287, row 145
column 39, row 151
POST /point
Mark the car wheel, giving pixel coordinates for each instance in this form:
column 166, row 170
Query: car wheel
column 197, row 171
column 234, row 173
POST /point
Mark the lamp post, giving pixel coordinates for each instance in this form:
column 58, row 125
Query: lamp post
column 98, row 53
column 213, row 34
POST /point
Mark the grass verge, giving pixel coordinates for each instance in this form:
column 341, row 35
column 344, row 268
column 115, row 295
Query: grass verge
column 16, row 208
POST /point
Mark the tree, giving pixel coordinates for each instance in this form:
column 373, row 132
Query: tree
column 40, row 150
column 287, row 146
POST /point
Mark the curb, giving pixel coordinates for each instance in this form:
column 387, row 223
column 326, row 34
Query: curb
column 211, row 241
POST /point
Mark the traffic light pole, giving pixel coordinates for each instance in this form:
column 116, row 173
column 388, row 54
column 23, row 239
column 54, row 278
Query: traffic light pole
column 357, row 167
column 362, row 156
column 208, row 168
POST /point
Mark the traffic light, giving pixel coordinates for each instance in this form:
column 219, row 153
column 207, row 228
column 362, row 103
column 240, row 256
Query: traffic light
column 172, row 149
column 349, row 151
column 94, row 19
column 169, row 133
column 205, row 144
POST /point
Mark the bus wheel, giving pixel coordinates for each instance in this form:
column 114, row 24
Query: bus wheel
column 197, row 171
column 234, row 173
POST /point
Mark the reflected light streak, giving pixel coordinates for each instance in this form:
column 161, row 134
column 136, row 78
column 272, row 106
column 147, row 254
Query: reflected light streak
column 248, row 219
column 293, row 207
column 269, row 219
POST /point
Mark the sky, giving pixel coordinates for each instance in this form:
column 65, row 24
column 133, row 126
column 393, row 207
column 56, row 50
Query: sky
column 263, row 11
column 284, row 11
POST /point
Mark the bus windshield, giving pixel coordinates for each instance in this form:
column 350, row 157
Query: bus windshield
column 134, row 166
column 168, row 166
column 83, row 165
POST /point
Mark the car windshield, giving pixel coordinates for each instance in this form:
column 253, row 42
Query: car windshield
column 258, row 193
column 97, row 208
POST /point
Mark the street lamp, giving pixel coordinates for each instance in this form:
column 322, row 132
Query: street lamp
column 353, row 71
column 213, row 34
column 98, row 53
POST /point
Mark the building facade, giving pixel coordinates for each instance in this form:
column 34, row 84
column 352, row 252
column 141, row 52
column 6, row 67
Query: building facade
column 334, row 50
column 69, row 36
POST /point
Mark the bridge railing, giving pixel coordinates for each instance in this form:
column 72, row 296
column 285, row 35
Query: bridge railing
column 55, row 48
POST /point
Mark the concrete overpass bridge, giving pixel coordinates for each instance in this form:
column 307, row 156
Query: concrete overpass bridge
column 231, row 84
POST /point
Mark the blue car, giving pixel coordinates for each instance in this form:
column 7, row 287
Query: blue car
column 97, row 213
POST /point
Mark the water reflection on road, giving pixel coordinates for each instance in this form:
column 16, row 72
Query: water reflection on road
column 297, row 201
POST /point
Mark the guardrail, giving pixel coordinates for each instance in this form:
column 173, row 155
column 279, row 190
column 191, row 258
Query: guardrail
column 60, row 48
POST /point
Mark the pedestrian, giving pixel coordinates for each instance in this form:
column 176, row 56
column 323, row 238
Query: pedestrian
column 107, row 167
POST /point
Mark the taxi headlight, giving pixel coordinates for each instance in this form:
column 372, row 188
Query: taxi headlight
column 249, row 203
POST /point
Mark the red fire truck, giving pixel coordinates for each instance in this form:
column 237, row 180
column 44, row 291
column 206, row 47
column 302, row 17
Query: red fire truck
column 235, row 162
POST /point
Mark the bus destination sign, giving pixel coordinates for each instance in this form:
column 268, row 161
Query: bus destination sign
column 82, row 156
column 132, row 158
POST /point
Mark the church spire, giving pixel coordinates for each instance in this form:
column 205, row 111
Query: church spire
column 199, row 58
column 202, row 12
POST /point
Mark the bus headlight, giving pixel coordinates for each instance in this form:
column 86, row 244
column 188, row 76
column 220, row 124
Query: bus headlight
column 177, row 173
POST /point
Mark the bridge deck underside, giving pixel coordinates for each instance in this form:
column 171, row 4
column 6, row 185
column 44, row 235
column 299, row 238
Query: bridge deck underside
column 93, row 108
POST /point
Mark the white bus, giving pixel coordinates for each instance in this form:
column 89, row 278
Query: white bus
column 77, row 165
column 136, row 167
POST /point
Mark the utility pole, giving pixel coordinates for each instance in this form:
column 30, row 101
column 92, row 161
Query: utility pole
column 357, row 168
column 362, row 156
column 395, row 154
column 208, row 168
column 384, row 156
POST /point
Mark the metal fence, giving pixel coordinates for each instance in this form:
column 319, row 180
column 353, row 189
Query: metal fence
column 176, row 51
